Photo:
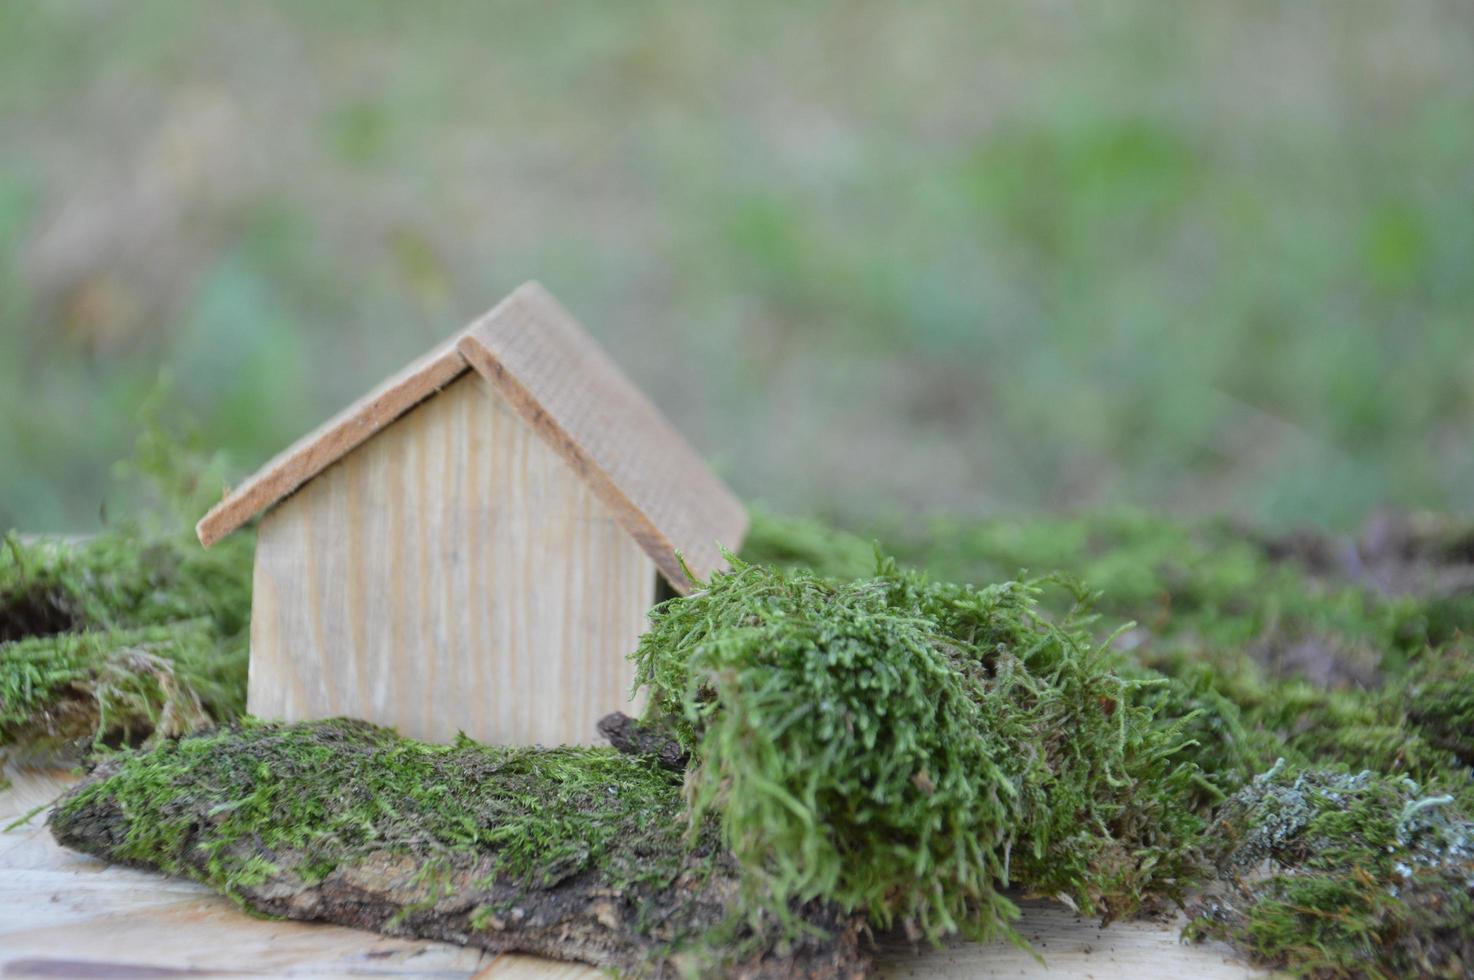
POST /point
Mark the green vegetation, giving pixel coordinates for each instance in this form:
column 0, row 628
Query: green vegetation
column 1218, row 586
column 115, row 686
column 573, row 851
column 1337, row 874
column 1438, row 696
column 894, row 745
column 134, row 633
column 330, row 793
column 1281, row 741
column 1324, row 688
column 803, row 543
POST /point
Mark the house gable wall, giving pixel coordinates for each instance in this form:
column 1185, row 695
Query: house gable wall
column 451, row 574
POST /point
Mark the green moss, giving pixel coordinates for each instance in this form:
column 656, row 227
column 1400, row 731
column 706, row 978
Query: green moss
column 910, row 749
column 1341, row 874
column 1335, row 658
column 333, row 791
column 1300, row 604
column 133, row 632
column 117, row 686
column 1438, row 696
column 120, row 637
column 1243, row 718
column 1214, row 585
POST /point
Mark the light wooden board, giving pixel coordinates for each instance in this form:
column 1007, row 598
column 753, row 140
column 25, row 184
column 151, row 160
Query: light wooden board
column 451, row 575
column 571, row 392
column 63, row 915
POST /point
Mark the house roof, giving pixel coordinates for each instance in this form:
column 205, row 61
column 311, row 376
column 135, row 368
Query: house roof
column 561, row 383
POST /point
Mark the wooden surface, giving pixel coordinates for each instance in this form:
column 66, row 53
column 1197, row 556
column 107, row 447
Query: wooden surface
column 65, row 915
column 333, row 440
column 570, row 391
column 451, row 575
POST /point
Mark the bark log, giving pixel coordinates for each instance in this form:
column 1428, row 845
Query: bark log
column 402, row 890
column 630, row 737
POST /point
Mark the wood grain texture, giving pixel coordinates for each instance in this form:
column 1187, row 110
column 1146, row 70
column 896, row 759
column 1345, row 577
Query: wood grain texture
column 1068, row 946
column 571, row 392
column 450, row 575
column 63, row 914
column 330, row 442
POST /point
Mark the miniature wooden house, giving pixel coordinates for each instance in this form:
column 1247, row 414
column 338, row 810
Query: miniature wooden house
column 474, row 545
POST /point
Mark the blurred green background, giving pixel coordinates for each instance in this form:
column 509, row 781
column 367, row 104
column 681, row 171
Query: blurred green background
column 875, row 259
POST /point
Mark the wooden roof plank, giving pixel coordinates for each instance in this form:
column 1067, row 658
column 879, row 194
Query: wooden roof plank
column 568, row 389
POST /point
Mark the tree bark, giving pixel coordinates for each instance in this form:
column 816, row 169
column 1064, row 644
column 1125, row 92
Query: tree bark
column 640, row 929
column 630, row 737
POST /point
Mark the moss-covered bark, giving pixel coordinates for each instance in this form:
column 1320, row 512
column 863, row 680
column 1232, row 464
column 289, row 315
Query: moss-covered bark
column 1332, row 873
column 579, row 854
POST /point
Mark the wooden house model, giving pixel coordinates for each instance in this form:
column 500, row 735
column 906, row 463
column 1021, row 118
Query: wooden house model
column 474, row 545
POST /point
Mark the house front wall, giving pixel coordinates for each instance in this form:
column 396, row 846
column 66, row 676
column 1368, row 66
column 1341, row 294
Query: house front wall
column 450, row 574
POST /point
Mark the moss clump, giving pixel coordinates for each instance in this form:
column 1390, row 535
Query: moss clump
column 1338, row 656
column 133, row 632
column 1331, row 873
column 909, row 749
column 151, row 638
column 116, row 686
column 154, row 642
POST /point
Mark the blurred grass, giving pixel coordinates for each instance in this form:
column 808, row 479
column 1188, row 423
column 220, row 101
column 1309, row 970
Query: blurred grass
column 875, row 259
